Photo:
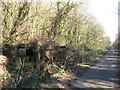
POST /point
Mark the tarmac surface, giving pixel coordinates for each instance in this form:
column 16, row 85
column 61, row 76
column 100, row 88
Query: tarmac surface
column 102, row 75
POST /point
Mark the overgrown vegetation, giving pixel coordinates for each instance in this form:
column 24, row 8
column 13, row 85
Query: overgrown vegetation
column 57, row 35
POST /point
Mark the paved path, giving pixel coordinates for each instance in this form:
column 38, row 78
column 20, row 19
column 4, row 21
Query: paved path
column 102, row 75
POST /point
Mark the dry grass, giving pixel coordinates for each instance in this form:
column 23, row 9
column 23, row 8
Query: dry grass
column 3, row 69
column 3, row 59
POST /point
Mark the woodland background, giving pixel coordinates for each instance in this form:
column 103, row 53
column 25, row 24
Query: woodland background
column 56, row 37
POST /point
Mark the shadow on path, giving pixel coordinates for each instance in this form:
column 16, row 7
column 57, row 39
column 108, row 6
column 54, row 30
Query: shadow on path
column 102, row 75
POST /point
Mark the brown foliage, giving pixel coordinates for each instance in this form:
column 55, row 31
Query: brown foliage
column 3, row 59
column 3, row 62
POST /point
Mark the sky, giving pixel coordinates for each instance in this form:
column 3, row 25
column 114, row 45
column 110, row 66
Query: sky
column 105, row 12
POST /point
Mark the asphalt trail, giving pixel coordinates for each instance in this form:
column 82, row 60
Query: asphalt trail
column 102, row 75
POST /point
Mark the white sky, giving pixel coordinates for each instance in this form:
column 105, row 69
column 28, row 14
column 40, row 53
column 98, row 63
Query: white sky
column 105, row 12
